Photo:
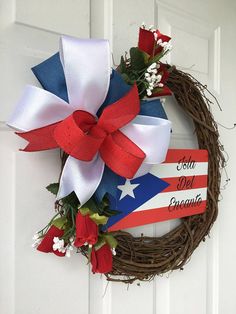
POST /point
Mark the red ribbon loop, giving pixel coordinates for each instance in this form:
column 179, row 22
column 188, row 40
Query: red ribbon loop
column 74, row 137
column 81, row 136
column 121, row 155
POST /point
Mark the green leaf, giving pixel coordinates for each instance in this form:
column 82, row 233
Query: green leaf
column 156, row 58
column 92, row 205
column 85, row 211
column 59, row 222
column 157, row 90
column 53, row 188
column 122, row 66
column 101, row 241
column 71, row 199
column 89, row 254
column 99, row 220
column 110, row 212
column 126, row 78
column 137, row 59
column 146, row 57
column 110, row 240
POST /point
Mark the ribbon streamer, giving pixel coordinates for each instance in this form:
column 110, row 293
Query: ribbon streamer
column 125, row 142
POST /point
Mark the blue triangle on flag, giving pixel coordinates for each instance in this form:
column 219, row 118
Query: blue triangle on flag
column 131, row 194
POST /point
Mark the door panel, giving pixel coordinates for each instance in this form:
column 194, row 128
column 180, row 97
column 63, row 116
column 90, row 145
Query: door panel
column 203, row 45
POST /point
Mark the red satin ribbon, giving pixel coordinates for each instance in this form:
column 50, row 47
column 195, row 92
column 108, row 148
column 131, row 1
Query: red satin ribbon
column 81, row 136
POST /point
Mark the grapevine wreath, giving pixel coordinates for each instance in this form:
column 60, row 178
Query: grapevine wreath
column 110, row 125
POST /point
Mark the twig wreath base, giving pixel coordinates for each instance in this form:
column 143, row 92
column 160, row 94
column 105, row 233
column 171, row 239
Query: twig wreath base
column 142, row 258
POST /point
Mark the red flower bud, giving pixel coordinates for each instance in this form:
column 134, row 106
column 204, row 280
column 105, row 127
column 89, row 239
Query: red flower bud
column 46, row 245
column 147, row 42
column 165, row 91
column 101, row 259
column 86, row 230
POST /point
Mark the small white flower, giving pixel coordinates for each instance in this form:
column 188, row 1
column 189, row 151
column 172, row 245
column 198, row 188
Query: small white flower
column 36, row 240
column 56, row 239
column 163, row 100
column 153, row 77
column 158, row 78
column 68, row 253
column 36, row 243
column 90, row 246
column 58, row 245
column 151, row 84
column 160, row 85
column 166, row 46
column 149, row 92
column 113, row 251
column 152, row 68
column 35, row 236
column 153, row 65
column 163, row 44
column 71, row 241
column 69, row 248
column 147, row 75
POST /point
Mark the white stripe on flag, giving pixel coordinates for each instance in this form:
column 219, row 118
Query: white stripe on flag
column 168, row 170
column 164, row 199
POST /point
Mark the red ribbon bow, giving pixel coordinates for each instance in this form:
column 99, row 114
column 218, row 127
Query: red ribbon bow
column 82, row 136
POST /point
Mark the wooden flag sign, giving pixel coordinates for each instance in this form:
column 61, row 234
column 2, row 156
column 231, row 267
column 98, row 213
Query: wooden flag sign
column 182, row 182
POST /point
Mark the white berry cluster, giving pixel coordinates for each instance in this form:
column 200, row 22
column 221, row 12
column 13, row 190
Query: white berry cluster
column 36, row 240
column 153, row 78
column 164, row 44
column 59, row 244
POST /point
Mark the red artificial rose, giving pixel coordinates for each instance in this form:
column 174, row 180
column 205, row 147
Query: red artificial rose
column 147, row 42
column 46, row 245
column 101, row 259
column 165, row 91
column 86, row 230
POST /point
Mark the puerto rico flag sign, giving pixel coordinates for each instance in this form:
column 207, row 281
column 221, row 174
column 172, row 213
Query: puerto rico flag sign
column 173, row 189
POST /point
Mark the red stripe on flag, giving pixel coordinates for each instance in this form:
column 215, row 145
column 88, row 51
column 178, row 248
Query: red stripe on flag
column 185, row 183
column 176, row 155
column 150, row 216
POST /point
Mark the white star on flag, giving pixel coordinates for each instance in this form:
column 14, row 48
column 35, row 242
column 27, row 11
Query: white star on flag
column 127, row 189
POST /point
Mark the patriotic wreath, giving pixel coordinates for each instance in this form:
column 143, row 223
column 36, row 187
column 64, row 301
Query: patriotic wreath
column 110, row 124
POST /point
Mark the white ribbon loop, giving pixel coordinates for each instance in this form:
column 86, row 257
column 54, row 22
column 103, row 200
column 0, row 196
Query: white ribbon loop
column 38, row 108
column 82, row 177
column 152, row 135
column 86, row 64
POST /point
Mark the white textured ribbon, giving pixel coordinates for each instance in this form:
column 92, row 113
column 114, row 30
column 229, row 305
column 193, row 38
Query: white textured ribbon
column 86, row 64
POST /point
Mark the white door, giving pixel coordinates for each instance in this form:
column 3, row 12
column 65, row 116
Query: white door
column 204, row 43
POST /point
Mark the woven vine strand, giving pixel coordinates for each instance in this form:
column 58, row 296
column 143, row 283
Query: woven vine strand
column 143, row 258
